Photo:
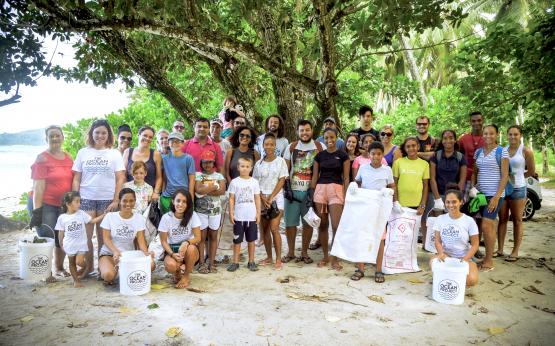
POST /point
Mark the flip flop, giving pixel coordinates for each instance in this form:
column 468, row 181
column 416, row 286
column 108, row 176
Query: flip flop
column 511, row 259
column 498, row 254
column 485, row 269
column 314, row 246
column 287, row 259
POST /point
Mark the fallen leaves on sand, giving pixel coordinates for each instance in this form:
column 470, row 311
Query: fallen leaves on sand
column 195, row 290
column 384, row 319
column 126, row 310
column 548, row 310
column 483, row 310
column 27, row 318
column 533, row 289
column 415, row 281
column 322, row 298
column 158, row 287
column 108, row 333
column 172, row 332
column 499, row 282
column 284, row 279
column 78, row 325
column 377, row 299
column 496, row 330
column 153, row 306
column 431, row 313
column 333, row 319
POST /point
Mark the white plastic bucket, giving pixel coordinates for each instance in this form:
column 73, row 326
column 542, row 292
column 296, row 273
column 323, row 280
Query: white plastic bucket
column 134, row 273
column 35, row 259
column 449, row 280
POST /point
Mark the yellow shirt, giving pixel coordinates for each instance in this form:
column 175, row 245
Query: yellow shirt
column 410, row 174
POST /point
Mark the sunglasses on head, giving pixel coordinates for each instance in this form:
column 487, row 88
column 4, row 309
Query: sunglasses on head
column 121, row 138
column 388, row 134
column 244, row 135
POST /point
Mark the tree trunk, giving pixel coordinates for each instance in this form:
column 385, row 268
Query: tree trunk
column 413, row 68
column 545, row 161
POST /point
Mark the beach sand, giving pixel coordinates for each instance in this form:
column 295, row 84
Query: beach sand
column 297, row 305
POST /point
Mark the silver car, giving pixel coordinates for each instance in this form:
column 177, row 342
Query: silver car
column 533, row 198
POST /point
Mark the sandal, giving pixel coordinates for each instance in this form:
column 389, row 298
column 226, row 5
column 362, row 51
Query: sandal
column 511, row 259
column 498, row 254
column 314, row 246
column 304, row 259
column 232, row 267
column 287, row 259
column 379, row 277
column 212, row 269
column 203, row 269
column 479, row 254
column 485, row 269
column 359, row 274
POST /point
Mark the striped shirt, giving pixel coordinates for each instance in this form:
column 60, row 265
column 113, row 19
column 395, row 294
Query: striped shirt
column 489, row 172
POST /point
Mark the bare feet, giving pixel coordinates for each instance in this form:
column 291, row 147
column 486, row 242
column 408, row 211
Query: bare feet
column 323, row 263
column 265, row 262
column 51, row 279
column 184, row 282
column 335, row 265
column 278, row 265
column 77, row 284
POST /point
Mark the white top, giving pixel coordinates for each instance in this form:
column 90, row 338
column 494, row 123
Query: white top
column 98, row 172
column 518, row 167
column 281, row 145
column 455, row 234
column 269, row 173
column 177, row 234
column 224, row 146
column 123, row 231
column 489, row 172
column 374, row 178
column 244, row 190
column 143, row 193
column 75, row 235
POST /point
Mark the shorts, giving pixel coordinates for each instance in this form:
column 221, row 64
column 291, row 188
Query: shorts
column 329, row 194
column 493, row 215
column 95, row 205
column 50, row 215
column 211, row 222
column 82, row 253
column 248, row 229
column 518, row 193
column 294, row 210
column 279, row 199
column 175, row 249
column 165, row 204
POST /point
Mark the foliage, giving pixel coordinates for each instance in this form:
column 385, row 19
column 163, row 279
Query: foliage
column 21, row 216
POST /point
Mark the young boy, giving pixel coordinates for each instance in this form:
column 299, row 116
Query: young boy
column 244, row 212
column 374, row 176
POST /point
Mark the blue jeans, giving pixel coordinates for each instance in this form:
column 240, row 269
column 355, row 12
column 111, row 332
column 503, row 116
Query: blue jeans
column 50, row 215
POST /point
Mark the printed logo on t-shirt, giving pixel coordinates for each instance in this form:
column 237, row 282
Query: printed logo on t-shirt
column 448, row 289
column 124, row 231
column 302, row 169
column 180, row 232
column 97, row 165
column 450, row 233
column 38, row 264
column 244, row 195
column 74, row 229
column 136, row 280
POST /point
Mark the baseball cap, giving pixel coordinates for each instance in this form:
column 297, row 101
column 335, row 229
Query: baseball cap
column 208, row 155
column 329, row 119
column 216, row 121
column 176, row 135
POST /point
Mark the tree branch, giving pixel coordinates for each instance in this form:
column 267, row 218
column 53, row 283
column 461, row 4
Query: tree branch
column 348, row 10
column 520, row 94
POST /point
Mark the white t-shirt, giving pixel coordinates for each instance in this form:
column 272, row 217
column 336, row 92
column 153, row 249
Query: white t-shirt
column 177, row 234
column 281, row 145
column 455, row 234
column 301, row 169
column 75, row 234
column 374, row 178
column 123, row 231
column 98, row 172
column 269, row 173
column 244, row 190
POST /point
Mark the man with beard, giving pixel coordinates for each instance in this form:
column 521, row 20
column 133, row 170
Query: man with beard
column 299, row 157
column 275, row 125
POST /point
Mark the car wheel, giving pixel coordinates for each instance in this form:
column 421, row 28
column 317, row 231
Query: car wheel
column 529, row 209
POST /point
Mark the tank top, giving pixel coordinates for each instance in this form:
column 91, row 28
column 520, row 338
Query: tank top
column 518, row 165
column 150, row 178
column 389, row 156
column 235, row 155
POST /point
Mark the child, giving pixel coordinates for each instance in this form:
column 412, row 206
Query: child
column 143, row 191
column 374, row 176
column 72, row 233
column 364, row 157
column 209, row 186
column 244, row 212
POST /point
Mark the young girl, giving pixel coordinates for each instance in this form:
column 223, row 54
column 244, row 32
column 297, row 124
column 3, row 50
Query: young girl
column 120, row 230
column 453, row 232
column 270, row 173
column 180, row 235
column 228, row 113
column 352, row 149
column 364, row 157
column 73, row 235
column 209, row 186
column 143, row 191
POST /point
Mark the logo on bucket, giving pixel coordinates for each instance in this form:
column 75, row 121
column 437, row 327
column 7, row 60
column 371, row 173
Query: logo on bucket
column 137, row 280
column 38, row 264
column 448, row 289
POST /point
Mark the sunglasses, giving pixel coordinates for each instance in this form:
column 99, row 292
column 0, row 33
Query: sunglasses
column 122, row 138
column 244, row 135
column 240, row 123
column 388, row 134
column 179, row 127
column 421, row 124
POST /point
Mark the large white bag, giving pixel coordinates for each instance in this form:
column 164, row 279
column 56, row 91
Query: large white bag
column 430, row 244
column 400, row 243
column 362, row 224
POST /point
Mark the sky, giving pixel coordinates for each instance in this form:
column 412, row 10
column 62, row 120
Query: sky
column 58, row 102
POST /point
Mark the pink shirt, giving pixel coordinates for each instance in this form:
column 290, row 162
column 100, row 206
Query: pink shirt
column 361, row 160
column 57, row 175
column 195, row 149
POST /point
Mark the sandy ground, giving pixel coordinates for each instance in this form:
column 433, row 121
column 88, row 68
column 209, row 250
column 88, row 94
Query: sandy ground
column 315, row 307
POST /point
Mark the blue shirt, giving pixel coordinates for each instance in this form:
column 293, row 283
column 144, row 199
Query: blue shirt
column 177, row 170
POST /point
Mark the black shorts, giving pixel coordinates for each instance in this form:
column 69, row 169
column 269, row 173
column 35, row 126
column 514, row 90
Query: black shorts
column 247, row 229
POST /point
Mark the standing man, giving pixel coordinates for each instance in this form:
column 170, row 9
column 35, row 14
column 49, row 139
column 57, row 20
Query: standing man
column 299, row 157
column 366, row 118
column 178, row 126
column 469, row 143
column 275, row 125
column 329, row 123
column 124, row 138
column 200, row 143
column 216, row 127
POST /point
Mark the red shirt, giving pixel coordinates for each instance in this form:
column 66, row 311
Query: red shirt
column 195, row 149
column 57, row 175
column 468, row 144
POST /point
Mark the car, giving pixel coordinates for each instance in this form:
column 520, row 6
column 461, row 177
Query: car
column 533, row 198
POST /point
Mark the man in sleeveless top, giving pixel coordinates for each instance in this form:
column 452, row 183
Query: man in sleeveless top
column 200, row 143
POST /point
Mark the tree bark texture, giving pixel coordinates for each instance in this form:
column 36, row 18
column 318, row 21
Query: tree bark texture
column 414, row 71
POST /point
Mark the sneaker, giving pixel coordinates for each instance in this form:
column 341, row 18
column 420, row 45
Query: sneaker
column 252, row 266
column 233, row 267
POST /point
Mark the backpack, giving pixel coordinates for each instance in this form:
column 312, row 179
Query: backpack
column 458, row 154
column 293, row 146
column 498, row 154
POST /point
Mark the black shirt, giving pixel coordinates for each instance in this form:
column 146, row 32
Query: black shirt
column 360, row 132
column 331, row 166
column 429, row 144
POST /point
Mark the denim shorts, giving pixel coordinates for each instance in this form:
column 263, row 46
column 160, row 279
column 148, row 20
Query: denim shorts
column 518, row 193
column 95, row 205
column 493, row 215
column 50, row 215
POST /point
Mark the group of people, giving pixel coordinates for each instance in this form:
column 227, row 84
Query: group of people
column 262, row 178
